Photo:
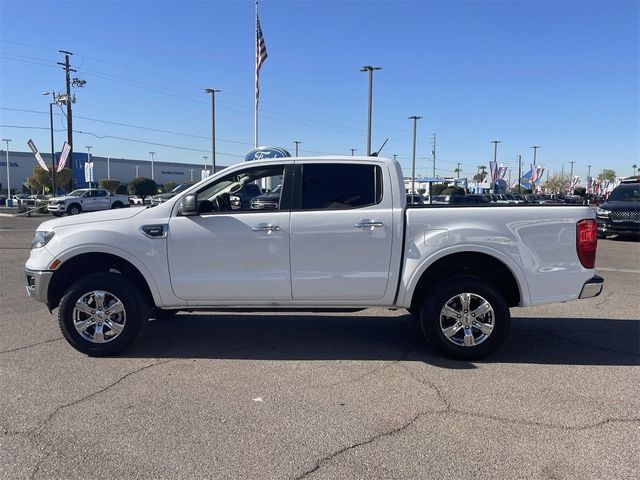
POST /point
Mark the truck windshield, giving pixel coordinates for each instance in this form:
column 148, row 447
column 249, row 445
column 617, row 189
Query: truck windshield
column 625, row 193
column 77, row 193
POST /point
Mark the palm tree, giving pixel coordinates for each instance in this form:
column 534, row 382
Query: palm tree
column 634, row 169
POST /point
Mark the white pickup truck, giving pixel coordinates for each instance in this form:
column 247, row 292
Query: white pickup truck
column 86, row 200
column 340, row 236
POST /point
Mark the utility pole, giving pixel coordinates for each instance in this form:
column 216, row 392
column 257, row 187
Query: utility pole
column 205, row 163
column 509, row 184
column 297, row 143
column 7, row 140
column 433, row 153
column 519, row 173
column 213, row 92
column 458, row 170
column 369, row 69
column 68, row 70
column 495, row 160
column 588, row 178
column 415, row 119
column 352, row 151
column 152, row 159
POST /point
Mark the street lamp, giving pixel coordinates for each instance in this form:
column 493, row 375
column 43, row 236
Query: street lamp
column 413, row 171
column 213, row 92
column 370, row 69
column 7, row 140
column 152, row 159
column 53, row 152
column 89, row 147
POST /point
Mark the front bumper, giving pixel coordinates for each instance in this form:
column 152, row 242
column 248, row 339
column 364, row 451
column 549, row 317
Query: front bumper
column 61, row 208
column 38, row 284
column 592, row 287
column 606, row 226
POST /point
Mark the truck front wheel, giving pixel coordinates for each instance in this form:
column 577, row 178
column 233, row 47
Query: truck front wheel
column 101, row 314
column 465, row 318
column 74, row 209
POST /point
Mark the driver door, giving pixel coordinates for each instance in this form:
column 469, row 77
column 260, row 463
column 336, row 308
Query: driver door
column 230, row 254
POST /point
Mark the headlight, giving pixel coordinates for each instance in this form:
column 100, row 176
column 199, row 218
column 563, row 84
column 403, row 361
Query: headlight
column 602, row 212
column 41, row 239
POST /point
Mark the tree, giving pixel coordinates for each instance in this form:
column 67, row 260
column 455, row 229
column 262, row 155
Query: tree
column 479, row 177
column 142, row 187
column 168, row 186
column 557, row 183
column 453, row 191
column 122, row 189
column 41, row 179
column 607, row 174
column 581, row 191
column 109, row 184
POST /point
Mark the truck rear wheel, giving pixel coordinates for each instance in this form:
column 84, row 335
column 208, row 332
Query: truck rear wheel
column 465, row 318
column 101, row 314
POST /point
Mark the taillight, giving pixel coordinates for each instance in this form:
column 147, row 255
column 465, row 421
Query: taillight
column 587, row 241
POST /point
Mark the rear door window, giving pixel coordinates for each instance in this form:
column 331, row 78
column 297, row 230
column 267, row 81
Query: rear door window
column 337, row 186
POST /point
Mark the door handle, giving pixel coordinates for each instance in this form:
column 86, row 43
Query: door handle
column 370, row 224
column 266, row 228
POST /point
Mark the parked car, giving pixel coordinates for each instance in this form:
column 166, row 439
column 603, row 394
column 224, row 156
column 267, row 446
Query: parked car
column 469, row 199
column 342, row 238
column 163, row 197
column 86, row 200
column 268, row 201
column 242, row 198
column 620, row 214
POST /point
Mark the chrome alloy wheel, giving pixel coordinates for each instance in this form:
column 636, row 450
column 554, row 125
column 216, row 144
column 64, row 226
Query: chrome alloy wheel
column 99, row 316
column 467, row 319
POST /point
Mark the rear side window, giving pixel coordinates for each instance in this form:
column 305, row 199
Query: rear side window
column 338, row 186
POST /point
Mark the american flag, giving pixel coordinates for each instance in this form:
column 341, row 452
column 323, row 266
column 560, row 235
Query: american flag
column 261, row 55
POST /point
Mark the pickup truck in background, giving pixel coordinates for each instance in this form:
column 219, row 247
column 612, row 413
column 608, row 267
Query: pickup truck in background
column 86, row 200
column 337, row 235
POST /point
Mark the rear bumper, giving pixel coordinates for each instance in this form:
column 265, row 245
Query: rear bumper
column 592, row 287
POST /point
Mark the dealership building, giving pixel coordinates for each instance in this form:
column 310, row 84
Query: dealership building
column 21, row 165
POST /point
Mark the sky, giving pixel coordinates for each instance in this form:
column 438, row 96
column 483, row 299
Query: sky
column 561, row 75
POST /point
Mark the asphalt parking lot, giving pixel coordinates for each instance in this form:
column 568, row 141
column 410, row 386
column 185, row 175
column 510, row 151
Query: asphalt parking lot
column 331, row 396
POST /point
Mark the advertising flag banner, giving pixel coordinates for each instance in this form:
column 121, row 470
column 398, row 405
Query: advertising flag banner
column 63, row 156
column 88, row 172
column 539, row 172
column 534, row 173
column 35, row 151
column 493, row 166
column 502, row 171
column 575, row 181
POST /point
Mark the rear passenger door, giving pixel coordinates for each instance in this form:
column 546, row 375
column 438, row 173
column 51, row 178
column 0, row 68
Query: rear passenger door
column 341, row 232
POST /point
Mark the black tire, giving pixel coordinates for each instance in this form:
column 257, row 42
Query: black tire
column 116, row 286
column 117, row 205
column 74, row 209
column 481, row 344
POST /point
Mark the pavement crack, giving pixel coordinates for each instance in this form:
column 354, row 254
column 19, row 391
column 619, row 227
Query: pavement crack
column 328, row 458
column 30, row 346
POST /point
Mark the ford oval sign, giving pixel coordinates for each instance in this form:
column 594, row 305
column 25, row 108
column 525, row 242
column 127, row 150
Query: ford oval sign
column 263, row 153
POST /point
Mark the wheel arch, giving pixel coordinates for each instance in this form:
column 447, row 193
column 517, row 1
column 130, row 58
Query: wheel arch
column 81, row 264
column 485, row 265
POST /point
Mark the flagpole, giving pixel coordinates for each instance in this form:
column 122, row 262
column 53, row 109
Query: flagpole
column 255, row 93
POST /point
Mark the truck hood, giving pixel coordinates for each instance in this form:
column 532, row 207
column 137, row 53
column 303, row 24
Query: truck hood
column 62, row 197
column 92, row 217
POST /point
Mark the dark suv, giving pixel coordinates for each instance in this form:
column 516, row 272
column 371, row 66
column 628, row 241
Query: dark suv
column 620, row 214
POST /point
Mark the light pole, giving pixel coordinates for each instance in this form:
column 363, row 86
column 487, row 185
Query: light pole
column 137, row 171
column 535, row 148
column 7, row 140
column 89, row 147
column 370, row 69
column 297, row 143
column 415, row 119
column 53, row 152
column 205, row 163
column 152, row 160
column 213, row 92
column 352, row 151
column 519, row 173
column 495, row 161
column 191, row 169
column 589, row 179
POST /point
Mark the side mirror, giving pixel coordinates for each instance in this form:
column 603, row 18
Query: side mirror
column 189, row 205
